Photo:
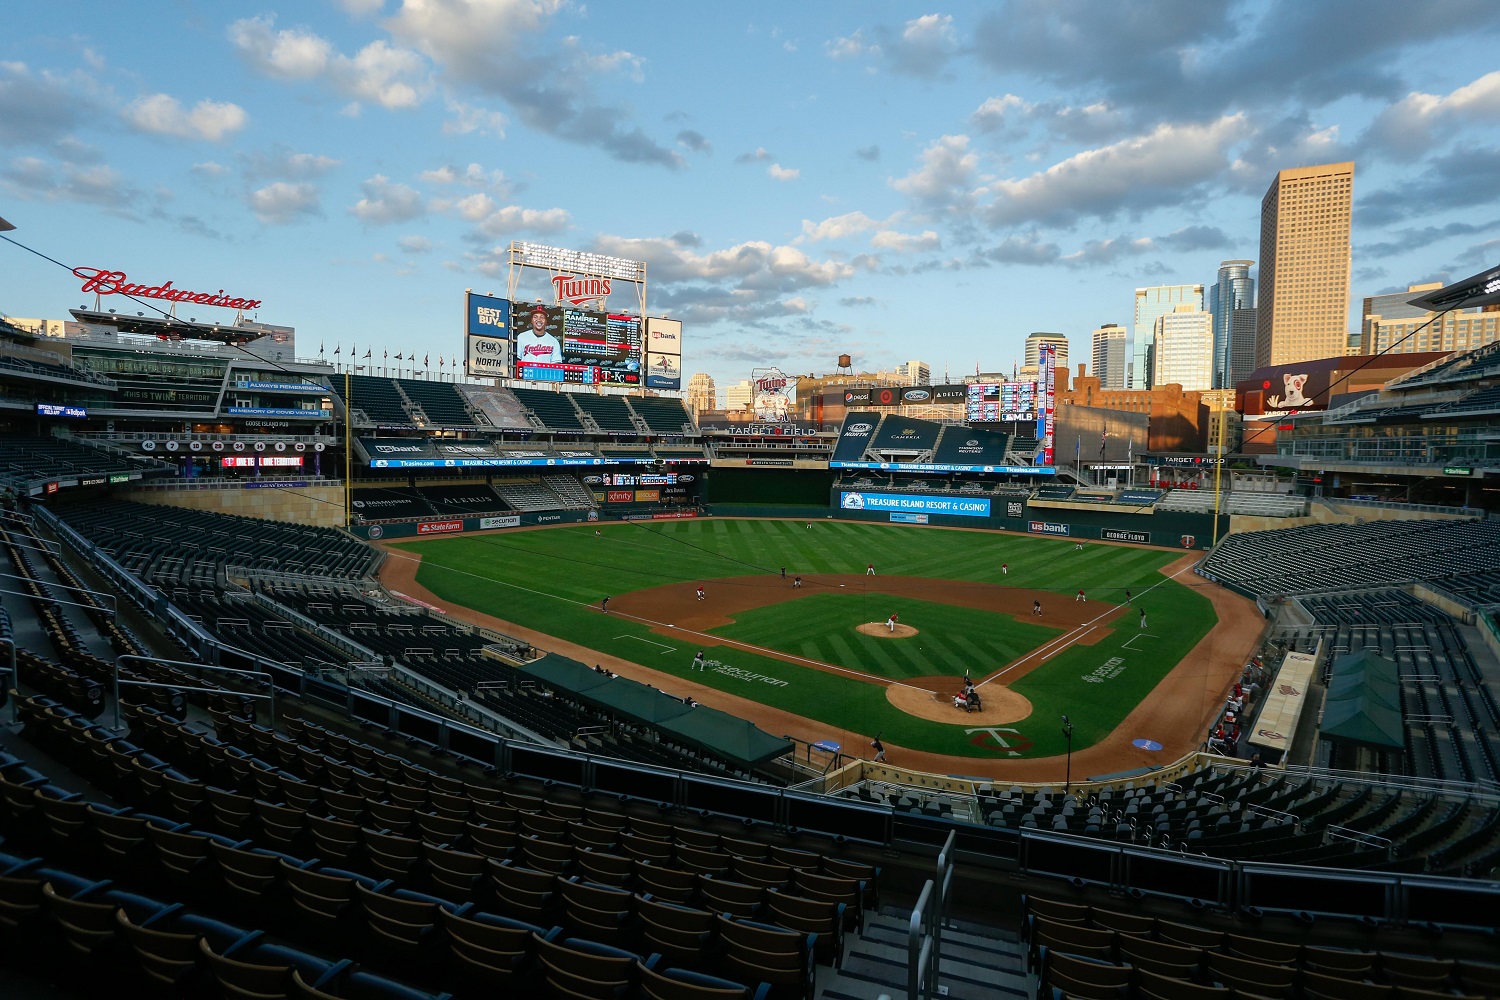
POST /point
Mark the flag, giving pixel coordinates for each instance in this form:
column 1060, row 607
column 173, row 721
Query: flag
column 335, row 350
column 320, row 348
column 1102, row 436
column 426, row 360
column 1078, row 451
column 387, row 354
column 399, row 357
column 440, row 361
column 368, row 353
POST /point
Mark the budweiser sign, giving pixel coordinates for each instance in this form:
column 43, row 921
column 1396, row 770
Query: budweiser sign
column 578, row 290
column 102, row 282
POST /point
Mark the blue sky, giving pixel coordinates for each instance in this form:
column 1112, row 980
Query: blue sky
column 891, row 180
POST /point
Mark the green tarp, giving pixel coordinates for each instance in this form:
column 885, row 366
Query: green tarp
column 635, row 700
column 726, row 736
column 563, row 674
column 723, row 735
column 1363, row 704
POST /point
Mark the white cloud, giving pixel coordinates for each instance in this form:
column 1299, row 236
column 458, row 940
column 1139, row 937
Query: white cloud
column 472, row 176
column 838, row 227
column 395, row 78
column 511, row 218
column 282, row 164
column 361, row 8
column 163, row 114
column 289, row 54
column 996, row 112
column 469, row 118
column 851, row 46
column 1137, row 173
column 414, row 244
column 946, row 174
column 780, row 173
column 890, row 239
column 284, row 202
column 1407, row 128
column 33, row 177
column 209, row 168
column 385, row 202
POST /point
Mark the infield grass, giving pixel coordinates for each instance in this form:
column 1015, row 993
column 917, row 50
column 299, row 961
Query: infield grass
column 552, row 580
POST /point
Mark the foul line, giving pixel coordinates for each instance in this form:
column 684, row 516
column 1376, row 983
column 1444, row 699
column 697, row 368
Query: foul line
column 653, row 642
column 774, row 654
column 1045, row 651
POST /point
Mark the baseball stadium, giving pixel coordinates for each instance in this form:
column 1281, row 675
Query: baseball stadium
column 326, row 681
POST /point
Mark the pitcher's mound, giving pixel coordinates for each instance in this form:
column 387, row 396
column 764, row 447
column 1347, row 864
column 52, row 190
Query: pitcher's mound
column 879, row 630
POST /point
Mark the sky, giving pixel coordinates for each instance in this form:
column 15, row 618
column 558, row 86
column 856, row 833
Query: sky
column 889, row 180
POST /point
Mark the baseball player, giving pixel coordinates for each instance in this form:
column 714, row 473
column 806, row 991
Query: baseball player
column 1036, row 608
column 890, row 623
column 701, row 595
column 698, row 661
column 604, row 605
column 870, row 569
column 1080, row 599
column 1005, row 569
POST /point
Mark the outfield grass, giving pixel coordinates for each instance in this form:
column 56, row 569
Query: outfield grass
column 552, row 581
column 821, row 627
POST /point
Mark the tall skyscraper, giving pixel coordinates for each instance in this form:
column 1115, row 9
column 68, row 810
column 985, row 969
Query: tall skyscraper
column 1034, row 342
column 1109, row 360
column 1183, row 342
column 1235, row 289
column 1241, row 345
column 1303, row 313
column 1150, row 303
column 700, row 393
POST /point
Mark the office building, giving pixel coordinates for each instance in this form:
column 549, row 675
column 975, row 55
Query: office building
column 1390, row 326
column 700, row 393
column 1241, row 345
column 1151, row 303
column 1183, row 348
column 739, row 396
column 914, row 373
column 1109, row 361
column 1234, row 290
column 1034, row 342
column 1303, row 310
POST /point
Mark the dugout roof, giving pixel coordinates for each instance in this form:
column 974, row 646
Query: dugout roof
column 725, row 736
column 1364, row 702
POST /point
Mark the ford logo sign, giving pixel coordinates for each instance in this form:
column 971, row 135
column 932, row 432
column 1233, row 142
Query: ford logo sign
column 684, row 479
column 592, row 479
column 916, row 394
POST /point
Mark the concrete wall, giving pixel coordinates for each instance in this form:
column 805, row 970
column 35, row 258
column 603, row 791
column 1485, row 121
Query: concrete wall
column 1348, row 514
column 322, row 506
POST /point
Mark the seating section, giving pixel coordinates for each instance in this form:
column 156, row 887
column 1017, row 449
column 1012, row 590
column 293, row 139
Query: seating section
column 25, row 459
column 573, row 494
column 172, row 546
column 663, row 414
column 353, row 854
column 610, row 412
column 378, row 398
column 555, row 409
column 1081, row 949
column 1235, row 502
column 472, row 500
column 391, row 503
column 439, row 400
column 1334, row 557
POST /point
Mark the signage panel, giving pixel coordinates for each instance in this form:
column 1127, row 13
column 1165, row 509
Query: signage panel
column 1122, row 535
column 60, row 410
column 915, row 503
column 501, row 521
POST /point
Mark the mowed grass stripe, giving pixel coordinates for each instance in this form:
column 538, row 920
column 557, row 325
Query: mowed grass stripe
column 561, row 566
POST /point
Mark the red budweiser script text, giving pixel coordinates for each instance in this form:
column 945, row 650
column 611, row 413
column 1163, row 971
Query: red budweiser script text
column 104, row 282
column 576, row 290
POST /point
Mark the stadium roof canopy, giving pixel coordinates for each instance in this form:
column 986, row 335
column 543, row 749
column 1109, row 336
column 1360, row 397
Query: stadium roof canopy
column 723, row 735
column 1364, row 702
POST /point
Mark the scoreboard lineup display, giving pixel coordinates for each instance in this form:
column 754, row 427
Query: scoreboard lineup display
column 1001, row 401
column 576, row 345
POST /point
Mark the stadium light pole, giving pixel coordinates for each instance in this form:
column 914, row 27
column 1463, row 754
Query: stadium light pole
column 1068, row 735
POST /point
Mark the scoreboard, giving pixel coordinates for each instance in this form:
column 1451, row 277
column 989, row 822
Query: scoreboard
column 564, row 344
column 997, row 402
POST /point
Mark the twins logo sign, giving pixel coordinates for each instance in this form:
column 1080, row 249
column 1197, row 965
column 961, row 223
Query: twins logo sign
column 1003, row 740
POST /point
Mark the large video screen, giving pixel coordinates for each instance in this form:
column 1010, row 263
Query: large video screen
column 663, row 353
column 567, row 344
column 1001, row 401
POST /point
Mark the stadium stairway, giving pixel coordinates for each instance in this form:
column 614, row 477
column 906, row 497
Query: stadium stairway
column 978, row 962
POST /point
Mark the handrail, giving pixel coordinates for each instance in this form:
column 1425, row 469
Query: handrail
column 924, row 933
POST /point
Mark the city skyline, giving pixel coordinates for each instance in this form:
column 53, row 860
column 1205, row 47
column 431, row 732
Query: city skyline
column 878, row 181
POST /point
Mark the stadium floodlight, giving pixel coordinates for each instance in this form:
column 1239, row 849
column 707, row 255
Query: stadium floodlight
column 577, row 261
column 1482, row 289
column 6, row 227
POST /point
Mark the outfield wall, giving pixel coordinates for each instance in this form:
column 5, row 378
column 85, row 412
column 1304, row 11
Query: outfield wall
column 1170, row 529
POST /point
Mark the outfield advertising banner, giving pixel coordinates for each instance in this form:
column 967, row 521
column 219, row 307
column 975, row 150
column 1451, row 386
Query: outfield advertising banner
column 501, row 521
column 1123, row 535
column 1049, row 528
column 908, row 518
column 906, row 502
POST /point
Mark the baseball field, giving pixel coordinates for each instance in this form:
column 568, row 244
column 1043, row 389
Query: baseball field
column 1004, row 608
